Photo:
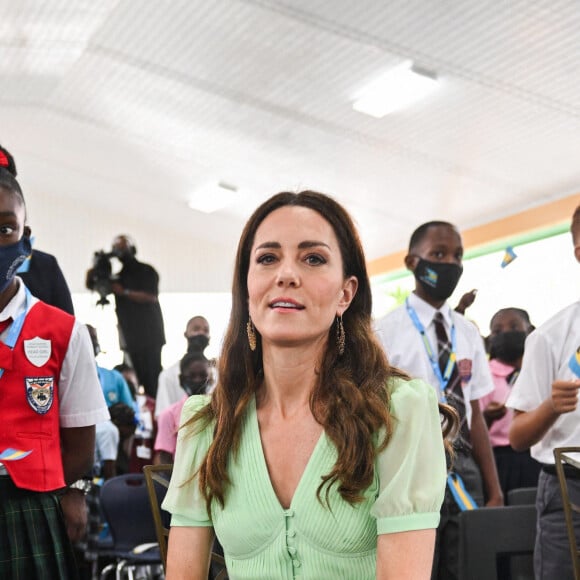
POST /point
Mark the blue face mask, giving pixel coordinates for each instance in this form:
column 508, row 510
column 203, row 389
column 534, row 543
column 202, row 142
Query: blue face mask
column 11, row 258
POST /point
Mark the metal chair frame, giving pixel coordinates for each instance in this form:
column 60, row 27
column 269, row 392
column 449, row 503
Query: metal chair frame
column 562, row 457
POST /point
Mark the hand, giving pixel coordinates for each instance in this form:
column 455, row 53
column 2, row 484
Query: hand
column 117, row 288
column 466, row 301
column 496, row 501
column 564, row 396
column 89, row 279
column 494, row 411
column 74, row 508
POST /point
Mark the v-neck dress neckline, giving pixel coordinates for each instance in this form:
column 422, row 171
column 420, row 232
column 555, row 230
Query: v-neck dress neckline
column 303, row 483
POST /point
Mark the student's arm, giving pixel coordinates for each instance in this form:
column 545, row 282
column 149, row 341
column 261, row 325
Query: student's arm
column 483, row 456
column 188, row 553
column 406, row 555
column 78, row 451
column 529, row 427
column 74, row 509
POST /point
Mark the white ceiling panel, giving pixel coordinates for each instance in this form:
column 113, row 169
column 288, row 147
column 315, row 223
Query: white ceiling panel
column 128, row 106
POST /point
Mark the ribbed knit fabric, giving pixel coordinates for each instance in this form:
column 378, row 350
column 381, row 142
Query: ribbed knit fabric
column 261, row 540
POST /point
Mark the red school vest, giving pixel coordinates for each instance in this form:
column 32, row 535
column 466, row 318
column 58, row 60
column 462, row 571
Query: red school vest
column 29, row 405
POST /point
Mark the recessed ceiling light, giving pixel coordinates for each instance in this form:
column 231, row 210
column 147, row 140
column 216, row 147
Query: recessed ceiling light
column 394, row 90
column 213, row 197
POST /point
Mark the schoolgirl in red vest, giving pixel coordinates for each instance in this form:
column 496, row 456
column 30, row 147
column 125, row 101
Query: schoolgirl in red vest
column 50, row 401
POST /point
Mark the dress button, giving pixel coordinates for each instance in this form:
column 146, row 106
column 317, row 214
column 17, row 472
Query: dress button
column 290, row 533
column 289, row 513
column 296, row 563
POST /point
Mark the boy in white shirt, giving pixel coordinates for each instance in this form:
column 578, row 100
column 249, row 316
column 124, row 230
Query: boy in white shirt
column 546, row 416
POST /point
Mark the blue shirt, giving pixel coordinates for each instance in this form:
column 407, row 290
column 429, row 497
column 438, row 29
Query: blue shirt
column 116, row 389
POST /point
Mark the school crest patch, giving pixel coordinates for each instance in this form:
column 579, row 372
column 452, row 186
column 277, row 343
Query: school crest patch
column 37, row 350
column 40, row 393
column 464, row 368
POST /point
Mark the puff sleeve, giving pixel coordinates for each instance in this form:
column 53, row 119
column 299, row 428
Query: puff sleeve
column 184, row 500
column 411, row 469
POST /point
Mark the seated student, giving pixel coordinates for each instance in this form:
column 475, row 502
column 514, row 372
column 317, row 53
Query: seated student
column 106, row 450
column 115, row 388
column 509, row 329
column 130, row 377
column 193, row 378
column 123, row 417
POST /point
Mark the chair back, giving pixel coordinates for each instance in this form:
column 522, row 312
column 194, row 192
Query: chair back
column 522, row 496
column 489, row 536
column 567, row 461
column 125, row 504
column 157, row 478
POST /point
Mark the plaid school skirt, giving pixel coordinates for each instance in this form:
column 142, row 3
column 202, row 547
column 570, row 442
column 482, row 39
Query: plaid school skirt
column 33, row 541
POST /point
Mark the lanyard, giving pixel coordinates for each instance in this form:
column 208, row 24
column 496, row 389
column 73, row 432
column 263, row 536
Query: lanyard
column 16, row 327
column 433, row 358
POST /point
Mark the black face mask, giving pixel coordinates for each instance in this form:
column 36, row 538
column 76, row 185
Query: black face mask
column 197, row 343
column 438, row 279
column 194, row 387
column 507, row 346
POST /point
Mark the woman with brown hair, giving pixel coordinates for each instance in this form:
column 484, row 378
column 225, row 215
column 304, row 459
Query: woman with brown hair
column 313, row 457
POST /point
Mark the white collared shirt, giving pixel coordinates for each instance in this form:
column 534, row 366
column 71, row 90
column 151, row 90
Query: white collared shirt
column 405, row 348
column 546, row 359
column 81, row 400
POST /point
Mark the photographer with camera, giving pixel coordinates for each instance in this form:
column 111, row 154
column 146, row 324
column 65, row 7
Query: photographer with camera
column 136, row 290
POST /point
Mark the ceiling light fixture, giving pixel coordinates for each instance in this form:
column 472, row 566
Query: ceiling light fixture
column 213, row 197
column 396, row 89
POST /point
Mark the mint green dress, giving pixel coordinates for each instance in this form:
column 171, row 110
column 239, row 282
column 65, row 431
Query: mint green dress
column 262, row 540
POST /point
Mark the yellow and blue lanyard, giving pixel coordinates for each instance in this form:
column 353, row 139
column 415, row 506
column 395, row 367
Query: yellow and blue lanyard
column 454, row 481
column 442, row 378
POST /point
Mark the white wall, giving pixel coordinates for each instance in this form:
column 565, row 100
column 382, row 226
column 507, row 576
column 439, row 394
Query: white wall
column 73, row 232
column 177, row 309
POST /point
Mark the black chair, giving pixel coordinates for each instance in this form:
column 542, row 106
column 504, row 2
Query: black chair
column 125, row 504
column 492, row 539
column 522, row 496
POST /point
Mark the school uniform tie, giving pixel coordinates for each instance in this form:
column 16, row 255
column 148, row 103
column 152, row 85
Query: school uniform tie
column 453, row 389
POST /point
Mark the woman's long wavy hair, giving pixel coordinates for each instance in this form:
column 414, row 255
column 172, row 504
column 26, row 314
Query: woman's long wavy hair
column 350, row 399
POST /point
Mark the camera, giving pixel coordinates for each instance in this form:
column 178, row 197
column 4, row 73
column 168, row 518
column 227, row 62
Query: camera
column 99, row 277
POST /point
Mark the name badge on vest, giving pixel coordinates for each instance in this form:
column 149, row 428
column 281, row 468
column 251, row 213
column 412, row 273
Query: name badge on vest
column 37, row 350
column 40, row 393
